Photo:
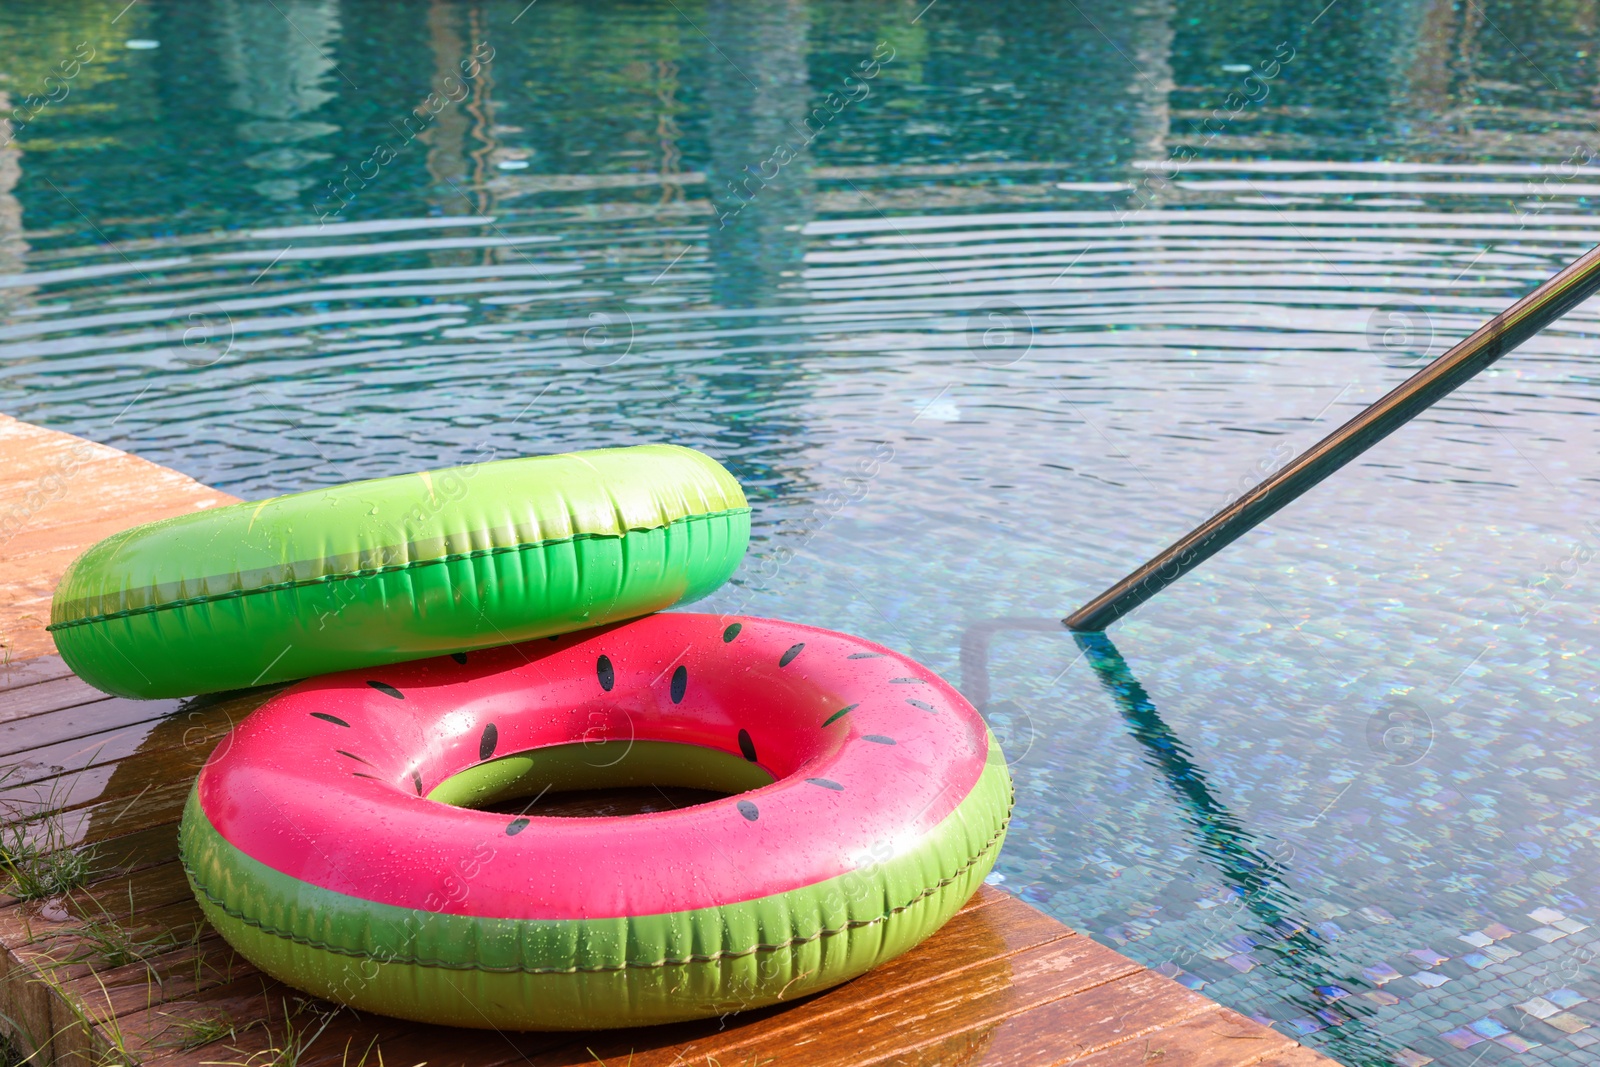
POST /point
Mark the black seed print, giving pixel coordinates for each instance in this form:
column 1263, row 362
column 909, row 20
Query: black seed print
column 877, row 739
column 841, row 713
column 486, row 743
column 515, row 827
column 608, row 676
column 459, row 657
column 826, row 783
column 907, row 681
column 731, row 632
column 387, row 690
column 680, row 684
column 929, row 708
column 865, row 655
column 416, row 780
column 325, row 717
column 788, row 657
column 351, row 755
column 749, row 810
column 747, row 746
column 358, row 774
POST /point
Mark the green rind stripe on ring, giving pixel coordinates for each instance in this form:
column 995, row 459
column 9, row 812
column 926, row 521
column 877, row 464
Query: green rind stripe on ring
column 391, row 525
column 255, row 896
column 459, row 605
column 599, row 999
column 332, row 574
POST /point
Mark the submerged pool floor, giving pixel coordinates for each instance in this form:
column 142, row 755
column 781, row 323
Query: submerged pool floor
column 984, row 304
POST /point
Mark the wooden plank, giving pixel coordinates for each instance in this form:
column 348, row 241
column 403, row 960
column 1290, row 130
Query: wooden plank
column 83, row 720
column 89, row 525
column 34, row 453
column 873, row 1017
column 124, row 762
column 15, row 674
column 124, row 897
column 983, row 998
column 75, row 772
column 997, row 928
column 23, row 999
column 258, row 999
column 1028, row 1026
column 1220, row 1038
column 1297, row 1056
column 28, row 1005
column 130, row 852
column 161, row 978
column 93, row 486
column 100, row 822
column 53, row 695
column 96, row 823
column 55, row 486
column 175, row 741
column 91, row 998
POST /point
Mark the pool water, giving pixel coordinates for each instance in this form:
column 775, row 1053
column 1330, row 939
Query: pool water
column 984, row 303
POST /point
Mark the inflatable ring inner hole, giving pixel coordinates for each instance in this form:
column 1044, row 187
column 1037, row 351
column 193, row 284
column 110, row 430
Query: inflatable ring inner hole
column 600, row 779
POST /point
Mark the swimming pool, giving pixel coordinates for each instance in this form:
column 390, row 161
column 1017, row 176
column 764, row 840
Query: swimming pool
column 984, row 303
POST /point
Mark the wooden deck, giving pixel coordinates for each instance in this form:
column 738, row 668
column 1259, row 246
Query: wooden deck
column 60, row 494
column 123, row 969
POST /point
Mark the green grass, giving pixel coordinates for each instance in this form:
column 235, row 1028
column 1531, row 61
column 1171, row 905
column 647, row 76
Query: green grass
column 289, row 1048
column 36, row 858
column 101, row 1029
column 110, row 944
column 10, row 1054
column 205, row 1030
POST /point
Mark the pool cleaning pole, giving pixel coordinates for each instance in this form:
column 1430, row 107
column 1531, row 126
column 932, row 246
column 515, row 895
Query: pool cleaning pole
column 1492, row 340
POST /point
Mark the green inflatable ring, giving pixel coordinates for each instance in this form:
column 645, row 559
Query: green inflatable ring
column 398, row 568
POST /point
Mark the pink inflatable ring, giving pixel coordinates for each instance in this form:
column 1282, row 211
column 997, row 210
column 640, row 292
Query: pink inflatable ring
column 335, row 839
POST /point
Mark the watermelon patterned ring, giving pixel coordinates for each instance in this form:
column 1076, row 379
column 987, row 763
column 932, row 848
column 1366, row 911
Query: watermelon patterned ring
column 363, row 836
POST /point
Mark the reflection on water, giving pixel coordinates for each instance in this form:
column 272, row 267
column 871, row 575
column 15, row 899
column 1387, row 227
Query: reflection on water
column 1258, row 883
column 276, row 94
column 1041, row 287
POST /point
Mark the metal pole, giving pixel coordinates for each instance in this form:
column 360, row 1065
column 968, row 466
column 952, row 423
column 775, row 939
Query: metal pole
column 1494, row 339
